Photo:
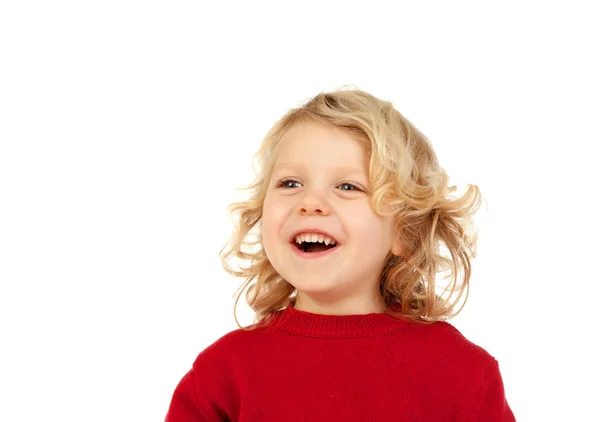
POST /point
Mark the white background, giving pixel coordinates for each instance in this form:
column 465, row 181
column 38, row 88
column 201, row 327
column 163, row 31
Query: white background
column 126, row 126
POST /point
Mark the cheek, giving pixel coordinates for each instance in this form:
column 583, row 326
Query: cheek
column 358, row 216
column 368, row 228
column 272, row 221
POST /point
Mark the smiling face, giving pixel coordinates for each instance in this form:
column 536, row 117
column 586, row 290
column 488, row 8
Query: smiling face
column 320, row 181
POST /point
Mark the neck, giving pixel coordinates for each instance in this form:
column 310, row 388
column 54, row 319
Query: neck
column 344, row 307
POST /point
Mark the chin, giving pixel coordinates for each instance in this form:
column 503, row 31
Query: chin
column 308, row 285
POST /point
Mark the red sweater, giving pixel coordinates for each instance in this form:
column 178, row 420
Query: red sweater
column 312, row 367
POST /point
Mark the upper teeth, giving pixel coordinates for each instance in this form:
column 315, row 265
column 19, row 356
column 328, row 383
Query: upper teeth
column 314, row 238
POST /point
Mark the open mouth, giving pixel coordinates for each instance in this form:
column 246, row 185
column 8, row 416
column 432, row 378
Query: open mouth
column 313, row 246
column 313, row 243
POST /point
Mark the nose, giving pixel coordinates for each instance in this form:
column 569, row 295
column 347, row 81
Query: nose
column 312, row 204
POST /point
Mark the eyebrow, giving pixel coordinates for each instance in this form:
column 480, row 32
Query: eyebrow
column 343, row 169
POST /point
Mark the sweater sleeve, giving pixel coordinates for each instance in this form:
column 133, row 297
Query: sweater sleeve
column 491, row 404
column 186, row 407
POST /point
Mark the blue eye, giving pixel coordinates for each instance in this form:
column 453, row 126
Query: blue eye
column 286, row 183
column 348, row 184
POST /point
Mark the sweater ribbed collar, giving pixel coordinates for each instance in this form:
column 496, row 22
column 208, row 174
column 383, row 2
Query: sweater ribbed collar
column 309, row 324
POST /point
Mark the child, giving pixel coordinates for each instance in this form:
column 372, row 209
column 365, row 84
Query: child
column 349, row 209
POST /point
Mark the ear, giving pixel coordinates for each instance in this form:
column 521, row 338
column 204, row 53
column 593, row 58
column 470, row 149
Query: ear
column 397, row 247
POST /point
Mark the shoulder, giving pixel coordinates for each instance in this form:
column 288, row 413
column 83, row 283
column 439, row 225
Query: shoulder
column 232, row 346
column 450, row 335
column 445, row 344
column 209, row 390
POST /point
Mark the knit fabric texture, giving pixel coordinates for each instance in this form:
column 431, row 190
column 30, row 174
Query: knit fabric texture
column 369, row 367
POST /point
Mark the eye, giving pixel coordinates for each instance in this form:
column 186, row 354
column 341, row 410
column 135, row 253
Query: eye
column 288, row 184
column 351, row 186
column 285, row 183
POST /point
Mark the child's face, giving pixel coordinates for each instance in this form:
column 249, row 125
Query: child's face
column 326, row 189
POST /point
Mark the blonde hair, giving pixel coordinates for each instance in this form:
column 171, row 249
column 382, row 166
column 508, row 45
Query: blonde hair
column 405, row 179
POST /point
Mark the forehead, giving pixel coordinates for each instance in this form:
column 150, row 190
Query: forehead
column 316, row 144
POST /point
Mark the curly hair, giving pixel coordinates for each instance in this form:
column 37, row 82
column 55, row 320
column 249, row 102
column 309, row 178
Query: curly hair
column 405, row 179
